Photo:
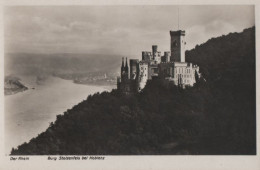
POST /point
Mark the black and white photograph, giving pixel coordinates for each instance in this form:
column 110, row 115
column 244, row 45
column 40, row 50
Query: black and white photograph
column 129, row 80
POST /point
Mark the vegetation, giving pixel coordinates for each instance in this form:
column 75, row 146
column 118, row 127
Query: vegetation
column 213, row 117
column 13, row 85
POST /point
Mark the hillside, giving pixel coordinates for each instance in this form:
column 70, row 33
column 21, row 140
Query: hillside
column 13, row 85
column 212, row 118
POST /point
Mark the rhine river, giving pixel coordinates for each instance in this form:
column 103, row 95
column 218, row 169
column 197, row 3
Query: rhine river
column 29, row 113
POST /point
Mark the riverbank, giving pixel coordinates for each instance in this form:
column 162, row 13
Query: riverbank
column 29, row 113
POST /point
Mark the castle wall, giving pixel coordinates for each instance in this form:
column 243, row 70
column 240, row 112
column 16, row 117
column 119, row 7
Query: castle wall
column 178, row 72
column 185, row 74
column 157, row 57
column 182, row 48
column 143, row 75
column 165, row 69
column 146, row 56
column 153, row 71
column 127, row 86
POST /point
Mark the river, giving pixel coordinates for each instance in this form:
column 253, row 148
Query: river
column 29, row 113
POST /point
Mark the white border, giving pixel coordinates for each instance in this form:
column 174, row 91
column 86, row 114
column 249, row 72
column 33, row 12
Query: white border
column 133, row 162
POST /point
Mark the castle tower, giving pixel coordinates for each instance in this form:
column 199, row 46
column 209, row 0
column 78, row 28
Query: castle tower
column 156, row 54
column 154, row 47
column 166, row 57
column 133, row 68
column 178, row 46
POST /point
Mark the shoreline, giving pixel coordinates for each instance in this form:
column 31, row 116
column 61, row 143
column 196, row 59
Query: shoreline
column 31, row 117
column 107, row 87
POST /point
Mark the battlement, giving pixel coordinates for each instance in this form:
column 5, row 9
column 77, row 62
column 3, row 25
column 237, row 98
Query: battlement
column 177, row 33
column 180, row 64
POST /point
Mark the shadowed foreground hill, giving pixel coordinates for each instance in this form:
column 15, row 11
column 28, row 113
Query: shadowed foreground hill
column 216, row 117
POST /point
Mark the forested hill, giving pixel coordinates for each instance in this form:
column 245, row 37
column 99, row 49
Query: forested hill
column 230, row 52
column 213, row 117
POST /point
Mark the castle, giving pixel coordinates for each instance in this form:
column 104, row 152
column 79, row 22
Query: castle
column 171, row 66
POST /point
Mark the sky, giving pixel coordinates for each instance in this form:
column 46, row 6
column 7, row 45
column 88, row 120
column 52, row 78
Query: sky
column 117, row 30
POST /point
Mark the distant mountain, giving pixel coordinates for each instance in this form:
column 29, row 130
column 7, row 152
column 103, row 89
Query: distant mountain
column 216, row 117
column 13, row 85
column 81, row 68
column 27, row 63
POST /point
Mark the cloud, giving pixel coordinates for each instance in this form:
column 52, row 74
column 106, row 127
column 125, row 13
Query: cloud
column 199, row 34
column 125, row 30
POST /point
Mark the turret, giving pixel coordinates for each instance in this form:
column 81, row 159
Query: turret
column 122, row 67
column 126, row 68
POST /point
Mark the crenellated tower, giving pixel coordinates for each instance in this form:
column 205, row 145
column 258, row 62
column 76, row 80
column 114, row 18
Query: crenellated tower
column 177, row 46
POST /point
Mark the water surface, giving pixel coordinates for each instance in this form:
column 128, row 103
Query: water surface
column 29, row 113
